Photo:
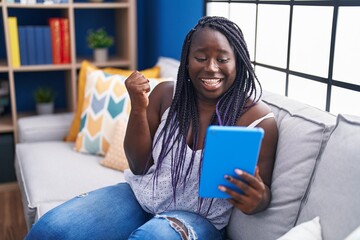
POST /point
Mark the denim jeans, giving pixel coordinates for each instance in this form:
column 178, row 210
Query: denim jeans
column 114, row 213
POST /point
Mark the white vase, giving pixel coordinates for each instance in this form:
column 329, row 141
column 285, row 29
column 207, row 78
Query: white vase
column 45, row 108
column 100, row 54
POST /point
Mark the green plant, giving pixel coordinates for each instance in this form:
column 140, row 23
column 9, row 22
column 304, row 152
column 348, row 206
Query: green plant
column 44, row 95
column 99, row 38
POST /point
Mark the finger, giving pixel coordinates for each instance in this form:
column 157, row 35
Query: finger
column 240, row 184
column 253, row 181
column 137, row 77
column 232, row 193
column 257, row 174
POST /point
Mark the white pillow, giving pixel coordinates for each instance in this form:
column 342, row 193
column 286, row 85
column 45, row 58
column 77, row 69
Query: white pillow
column 168, row 67
column 355, row 235
column 310, row 230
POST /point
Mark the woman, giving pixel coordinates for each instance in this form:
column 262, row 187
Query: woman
column 216, row 85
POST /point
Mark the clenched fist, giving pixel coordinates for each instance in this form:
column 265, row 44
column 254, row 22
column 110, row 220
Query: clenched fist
column 138, row 88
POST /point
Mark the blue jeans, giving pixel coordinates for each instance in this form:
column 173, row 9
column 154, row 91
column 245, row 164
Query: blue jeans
column 114, row 213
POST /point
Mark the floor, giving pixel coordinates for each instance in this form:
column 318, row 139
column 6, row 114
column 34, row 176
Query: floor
column 12, row 222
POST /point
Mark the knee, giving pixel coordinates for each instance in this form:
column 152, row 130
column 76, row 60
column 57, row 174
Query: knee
column 164, row 227
column 48, row 227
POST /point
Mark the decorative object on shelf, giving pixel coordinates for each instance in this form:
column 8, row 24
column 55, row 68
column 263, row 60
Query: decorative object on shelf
column 44, row 98
column 100, row 41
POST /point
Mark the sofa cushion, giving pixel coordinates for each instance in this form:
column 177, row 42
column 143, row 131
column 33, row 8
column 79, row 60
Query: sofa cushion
column 52, row 127
column 303, row 131
column 168, row 67
column 334, row 194
column 115, row 158
column 44, row 207
column 354, row 235
column 153, row 72
column 53, row 171
column 310, row 230
column 105, row 102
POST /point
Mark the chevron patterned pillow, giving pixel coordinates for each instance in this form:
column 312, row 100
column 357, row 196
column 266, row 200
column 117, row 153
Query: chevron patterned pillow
column 105, row 102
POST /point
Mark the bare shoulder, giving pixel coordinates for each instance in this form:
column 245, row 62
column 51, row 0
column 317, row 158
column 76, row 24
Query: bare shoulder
column 259, row 110
column 161, row 96
column 159, row 100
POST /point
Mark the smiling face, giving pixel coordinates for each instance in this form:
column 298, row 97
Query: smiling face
column 212, row 64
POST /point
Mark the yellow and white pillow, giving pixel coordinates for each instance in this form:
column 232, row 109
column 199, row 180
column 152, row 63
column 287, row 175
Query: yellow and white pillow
column 106, row 101
column 115, row 158
column 153, row 72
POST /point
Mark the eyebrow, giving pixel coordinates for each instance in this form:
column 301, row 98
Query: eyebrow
column 219, row 50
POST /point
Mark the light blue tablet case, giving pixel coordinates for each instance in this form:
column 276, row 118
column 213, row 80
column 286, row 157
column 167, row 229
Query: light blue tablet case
column 227, row 148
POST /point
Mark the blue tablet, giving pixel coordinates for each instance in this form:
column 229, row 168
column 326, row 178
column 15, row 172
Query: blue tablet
column 227, row 148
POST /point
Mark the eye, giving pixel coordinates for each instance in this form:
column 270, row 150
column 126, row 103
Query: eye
column 223, row 60
column 200, row 59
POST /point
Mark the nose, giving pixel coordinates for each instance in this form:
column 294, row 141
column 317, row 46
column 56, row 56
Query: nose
column 212, row 66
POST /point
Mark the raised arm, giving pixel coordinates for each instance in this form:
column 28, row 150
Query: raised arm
column 143, row 121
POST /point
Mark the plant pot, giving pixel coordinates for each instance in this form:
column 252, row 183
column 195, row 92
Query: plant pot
column 45, row 108
column 100, row 54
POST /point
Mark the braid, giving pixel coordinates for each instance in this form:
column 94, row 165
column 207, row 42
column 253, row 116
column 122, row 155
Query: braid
column 183, row 111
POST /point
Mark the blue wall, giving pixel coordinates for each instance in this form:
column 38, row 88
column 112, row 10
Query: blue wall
column 162, row 27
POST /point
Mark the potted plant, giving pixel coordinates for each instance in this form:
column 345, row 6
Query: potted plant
column 44, row 98
column 100, row 41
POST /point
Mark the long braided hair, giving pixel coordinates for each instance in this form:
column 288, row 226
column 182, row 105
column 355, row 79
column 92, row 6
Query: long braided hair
column 183, row 111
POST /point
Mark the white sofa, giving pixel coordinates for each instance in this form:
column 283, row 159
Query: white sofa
column 317, row 170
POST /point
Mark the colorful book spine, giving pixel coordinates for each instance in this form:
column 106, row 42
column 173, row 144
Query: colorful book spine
column 31, row 45
column 24, row 60
column 39, row 42
column 65, row 40
column 54, row 24
column 14, row 41
column 47, row 44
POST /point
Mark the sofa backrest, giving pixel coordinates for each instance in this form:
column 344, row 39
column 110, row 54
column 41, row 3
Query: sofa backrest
column 316, row 172
column 303, row 133
column 334, row 194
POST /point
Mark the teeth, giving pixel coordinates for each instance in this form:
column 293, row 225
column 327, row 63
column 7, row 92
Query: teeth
column 211, row 82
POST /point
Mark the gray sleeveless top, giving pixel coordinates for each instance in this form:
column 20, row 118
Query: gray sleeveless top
column 158, row 198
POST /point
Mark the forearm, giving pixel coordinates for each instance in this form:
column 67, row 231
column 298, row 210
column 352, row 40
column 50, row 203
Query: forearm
column 138, row 142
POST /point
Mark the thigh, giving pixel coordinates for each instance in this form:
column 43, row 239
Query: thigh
column 107, row 213
column 163, row 226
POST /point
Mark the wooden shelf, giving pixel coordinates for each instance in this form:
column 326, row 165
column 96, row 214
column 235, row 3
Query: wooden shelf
column 47, row 67
column 124, row 56
column 100, row 5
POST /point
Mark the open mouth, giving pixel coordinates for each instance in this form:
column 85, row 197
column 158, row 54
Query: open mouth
column 211, row 82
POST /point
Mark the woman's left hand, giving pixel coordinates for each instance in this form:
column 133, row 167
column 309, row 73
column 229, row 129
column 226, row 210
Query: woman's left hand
column 255, row 196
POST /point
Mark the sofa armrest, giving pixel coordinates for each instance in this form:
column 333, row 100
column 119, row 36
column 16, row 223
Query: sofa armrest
column 52, row 127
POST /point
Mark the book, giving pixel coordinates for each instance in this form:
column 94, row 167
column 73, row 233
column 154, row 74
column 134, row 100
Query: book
column 23, row 46
column 227, row 148
column 31, row 45
column 65, row 40
column 54, row 24
column 39, row 45
column 47, row 44
column 14, row 41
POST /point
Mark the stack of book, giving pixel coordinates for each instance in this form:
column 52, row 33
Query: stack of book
column 48, row 44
